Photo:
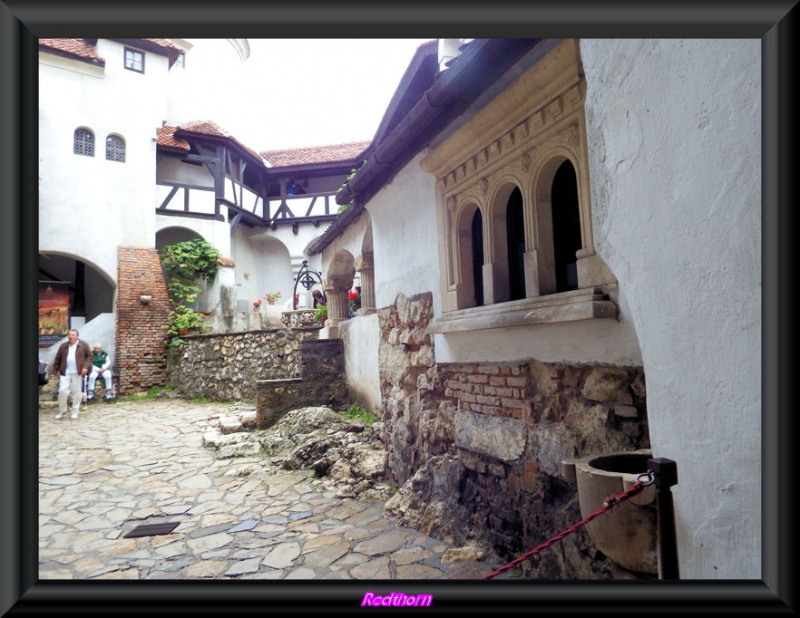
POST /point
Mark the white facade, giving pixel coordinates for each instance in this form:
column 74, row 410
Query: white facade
column 86, row 200
column 90, row 206
column 674, row 149
column 675, row 128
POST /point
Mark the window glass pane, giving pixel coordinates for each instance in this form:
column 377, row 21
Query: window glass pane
column 83, row 142
column 115, row 148
column 134, row 60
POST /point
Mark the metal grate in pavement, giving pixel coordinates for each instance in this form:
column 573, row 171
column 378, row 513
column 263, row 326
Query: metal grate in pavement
column 152, row 529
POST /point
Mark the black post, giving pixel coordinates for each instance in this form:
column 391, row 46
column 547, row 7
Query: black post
column 666, row 475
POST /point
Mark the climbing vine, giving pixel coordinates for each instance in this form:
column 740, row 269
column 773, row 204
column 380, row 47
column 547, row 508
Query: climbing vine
column 353, row 172
column 186, row 263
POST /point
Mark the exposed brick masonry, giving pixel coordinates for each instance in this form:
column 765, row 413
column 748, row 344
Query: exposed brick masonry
column 140, row 354
column 489, row 438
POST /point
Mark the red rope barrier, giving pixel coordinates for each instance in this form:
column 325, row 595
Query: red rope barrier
column 634, row 489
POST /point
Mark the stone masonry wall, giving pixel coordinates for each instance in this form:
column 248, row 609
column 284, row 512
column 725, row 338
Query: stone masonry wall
column 321, row 382
column 140, row 356
column 479, row 445
column 226, row 367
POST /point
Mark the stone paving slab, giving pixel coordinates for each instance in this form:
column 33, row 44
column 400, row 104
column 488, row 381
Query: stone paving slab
column 143, row 462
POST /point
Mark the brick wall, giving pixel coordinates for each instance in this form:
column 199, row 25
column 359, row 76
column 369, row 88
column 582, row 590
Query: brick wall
column 140, row 356
column 482, row 442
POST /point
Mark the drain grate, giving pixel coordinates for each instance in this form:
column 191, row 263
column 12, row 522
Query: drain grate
column 152, row 529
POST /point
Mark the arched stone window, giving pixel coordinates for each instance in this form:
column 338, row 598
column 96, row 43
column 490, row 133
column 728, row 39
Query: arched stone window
column 115, row 148
column 566, row 227
column 528, row 182
column 515, row 235
column 469, row 247
column 477, row 257
column 83, row 142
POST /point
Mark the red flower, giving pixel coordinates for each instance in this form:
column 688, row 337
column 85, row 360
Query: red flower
column 352, row 295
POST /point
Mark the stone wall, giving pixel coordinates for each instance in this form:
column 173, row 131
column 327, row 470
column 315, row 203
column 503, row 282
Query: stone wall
column 478, row 446
column 226, row 367
column 321, row 382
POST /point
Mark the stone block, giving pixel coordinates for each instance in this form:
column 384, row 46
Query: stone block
column 501, row 438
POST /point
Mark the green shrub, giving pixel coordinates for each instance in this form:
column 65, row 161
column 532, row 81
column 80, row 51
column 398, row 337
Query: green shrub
column 358, row 413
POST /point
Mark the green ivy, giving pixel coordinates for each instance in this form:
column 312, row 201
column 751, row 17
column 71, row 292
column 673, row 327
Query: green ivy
column 353, row 172
column 358, row 413
column 186, row 263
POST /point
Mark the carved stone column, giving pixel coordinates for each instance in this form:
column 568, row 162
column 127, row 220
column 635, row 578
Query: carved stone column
column 336, row 289
column 365, row 267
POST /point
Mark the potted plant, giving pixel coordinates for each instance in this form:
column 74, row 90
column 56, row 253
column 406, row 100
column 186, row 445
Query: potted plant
column 321, row 313
column 272, row 297
column 257, row 305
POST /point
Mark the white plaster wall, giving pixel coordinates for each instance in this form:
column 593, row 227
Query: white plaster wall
column 211, row 65
column 361, row 338
column 584, row 342
column 350, row 240
column 263, row 264
column 405, row 236
column 217, row 233
column 675, row 147
column 89, row 206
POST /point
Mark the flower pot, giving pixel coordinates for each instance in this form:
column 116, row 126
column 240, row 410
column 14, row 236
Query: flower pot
column 183, row 332
column 271, row 302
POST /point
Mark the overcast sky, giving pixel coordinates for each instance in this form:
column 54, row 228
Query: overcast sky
column 314, row 92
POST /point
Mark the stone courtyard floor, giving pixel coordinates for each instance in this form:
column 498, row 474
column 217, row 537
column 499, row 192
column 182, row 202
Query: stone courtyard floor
column 128, row 464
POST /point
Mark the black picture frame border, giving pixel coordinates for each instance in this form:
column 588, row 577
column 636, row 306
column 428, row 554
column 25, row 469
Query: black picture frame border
column 21, row 23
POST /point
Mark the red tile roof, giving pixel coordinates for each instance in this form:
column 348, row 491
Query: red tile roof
column 315, row 154
column 207, row 127
column 165, row 43
column 77, row 48
column 167, row 139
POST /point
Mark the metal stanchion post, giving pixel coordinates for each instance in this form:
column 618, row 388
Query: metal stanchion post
column 666, row 475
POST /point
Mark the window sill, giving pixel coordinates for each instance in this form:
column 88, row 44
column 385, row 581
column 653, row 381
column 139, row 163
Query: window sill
column 586, row 304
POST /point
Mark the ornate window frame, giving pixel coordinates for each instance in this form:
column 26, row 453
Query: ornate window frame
column 519, row 140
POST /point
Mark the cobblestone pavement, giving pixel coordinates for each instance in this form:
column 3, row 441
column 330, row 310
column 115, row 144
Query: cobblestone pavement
column 126, row 464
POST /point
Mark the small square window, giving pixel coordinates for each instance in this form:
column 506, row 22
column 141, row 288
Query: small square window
column 134, row 60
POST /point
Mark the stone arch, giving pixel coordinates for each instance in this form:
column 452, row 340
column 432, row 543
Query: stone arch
column 365, row 265
column 541, row 188
column 469, row 257
column 92, row 288
column 341, row 270
column 498, row 264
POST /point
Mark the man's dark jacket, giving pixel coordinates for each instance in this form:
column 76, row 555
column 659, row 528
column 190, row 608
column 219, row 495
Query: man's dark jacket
column 83, row 357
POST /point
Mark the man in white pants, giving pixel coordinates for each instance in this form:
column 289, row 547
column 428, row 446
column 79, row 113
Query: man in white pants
column 72, row 362
column 101, row 362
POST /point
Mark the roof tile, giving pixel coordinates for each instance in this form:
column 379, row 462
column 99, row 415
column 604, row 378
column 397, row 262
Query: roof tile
column 74, row 47
column 167, row 139
column 314, row 154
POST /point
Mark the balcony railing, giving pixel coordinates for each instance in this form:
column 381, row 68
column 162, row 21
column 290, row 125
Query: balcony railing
column 300, row 319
